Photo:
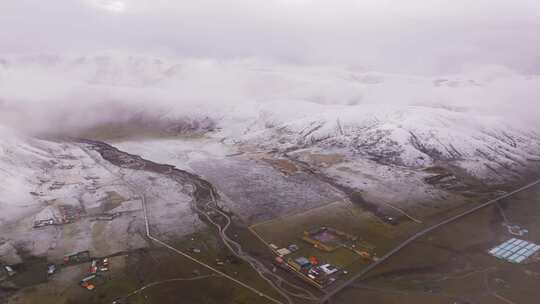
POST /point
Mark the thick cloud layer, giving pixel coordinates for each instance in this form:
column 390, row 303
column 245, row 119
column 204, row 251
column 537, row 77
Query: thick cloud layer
column 223, row 59
column 68, row 95
column 415, row 36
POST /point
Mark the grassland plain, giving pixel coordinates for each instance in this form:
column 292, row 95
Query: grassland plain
column 452, row 263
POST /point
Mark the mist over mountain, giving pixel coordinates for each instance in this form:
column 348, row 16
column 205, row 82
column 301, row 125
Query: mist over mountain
column 70, row 94
column 91, row 62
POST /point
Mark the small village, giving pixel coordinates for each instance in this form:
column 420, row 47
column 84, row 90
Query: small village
column 307, row 261
column 93, row 278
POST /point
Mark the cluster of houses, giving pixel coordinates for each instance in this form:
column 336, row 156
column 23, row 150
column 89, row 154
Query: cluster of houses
column 326, row 240
column 310, row 269
column 59, row 215
column 322, row 275
column 97, row 266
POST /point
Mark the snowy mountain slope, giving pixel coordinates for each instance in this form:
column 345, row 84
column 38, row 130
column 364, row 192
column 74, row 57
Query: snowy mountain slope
column 410, row 136
column 70, row 184
column 22, row 161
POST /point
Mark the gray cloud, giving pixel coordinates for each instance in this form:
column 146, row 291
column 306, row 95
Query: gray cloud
column 178, row 59
column 416, row 36
column 71, row 94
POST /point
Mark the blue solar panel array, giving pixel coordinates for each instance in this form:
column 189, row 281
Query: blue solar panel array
column 515, row 250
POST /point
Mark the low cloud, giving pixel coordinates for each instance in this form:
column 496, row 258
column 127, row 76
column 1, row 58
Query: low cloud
column 224, row 60
column 70, row 95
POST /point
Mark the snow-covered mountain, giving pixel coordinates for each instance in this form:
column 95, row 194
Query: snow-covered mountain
column 409, row 136
column 483, row 121
column 21, row 162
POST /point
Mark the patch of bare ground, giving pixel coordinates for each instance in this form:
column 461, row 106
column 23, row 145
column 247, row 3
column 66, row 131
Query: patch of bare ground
column 141, row 127
column 324, row 160
column 282, row 165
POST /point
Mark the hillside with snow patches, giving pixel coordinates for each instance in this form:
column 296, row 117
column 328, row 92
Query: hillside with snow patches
column 482, row 121
column 409, row 136
column 23, row 161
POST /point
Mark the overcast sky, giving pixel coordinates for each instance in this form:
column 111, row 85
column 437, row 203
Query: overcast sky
column 406, row 36
column 246, row 51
